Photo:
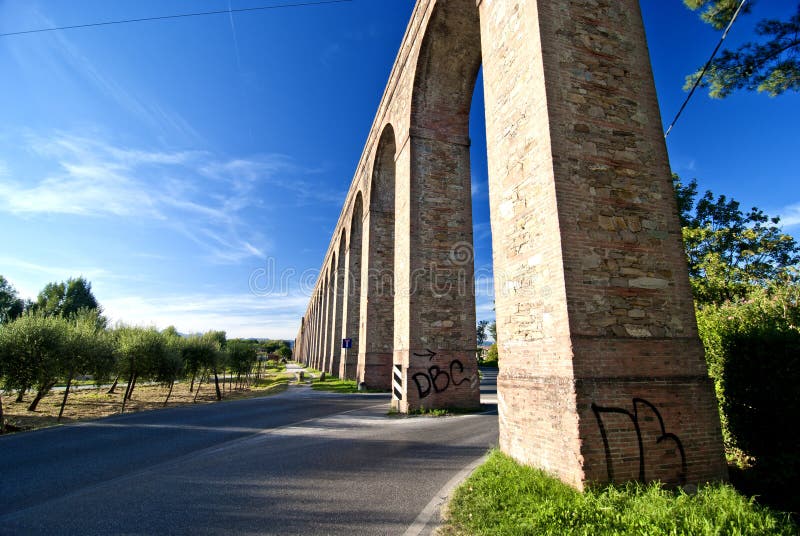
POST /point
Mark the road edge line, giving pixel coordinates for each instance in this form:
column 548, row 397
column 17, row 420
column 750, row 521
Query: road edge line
column 425, row 517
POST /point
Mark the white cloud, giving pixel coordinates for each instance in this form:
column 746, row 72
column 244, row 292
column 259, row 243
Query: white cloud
column 481, row 231
column 790, row 215
column 88, row 177
column 475, row 188
column 240, row 315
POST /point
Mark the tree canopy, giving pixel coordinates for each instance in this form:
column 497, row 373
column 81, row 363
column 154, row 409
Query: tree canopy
column 480, row 331
column 11, row 306
column 66, row 298
column 771, row 64
column 730, row 251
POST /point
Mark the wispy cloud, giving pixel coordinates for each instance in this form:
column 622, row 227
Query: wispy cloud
column 55, row 271
column 91, row 178
column 240, row 315
column 60, row 56
column 790, row 215
column 475, row 188
column 481, row 231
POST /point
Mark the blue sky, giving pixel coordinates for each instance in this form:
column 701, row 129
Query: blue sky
column 193, row 169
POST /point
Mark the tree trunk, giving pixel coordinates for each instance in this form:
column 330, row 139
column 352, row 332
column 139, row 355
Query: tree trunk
column 66, row 394
column 191, row 386
column 133, row 386
column 171, row 385
column 2, row 419
column 113, row 386
column 125, row 396
column 40, row 394
column 216, row 383
column 197, row 391
column 259, row 369
column 21, row 393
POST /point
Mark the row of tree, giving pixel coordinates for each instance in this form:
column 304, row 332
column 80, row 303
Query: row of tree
column 63, row 335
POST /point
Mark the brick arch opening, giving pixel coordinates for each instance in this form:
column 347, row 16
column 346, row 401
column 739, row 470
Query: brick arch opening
column 376, row 331
column 447, row 68
column 352, row 292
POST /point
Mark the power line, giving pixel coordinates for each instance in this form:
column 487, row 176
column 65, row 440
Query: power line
column 705, row 68
column 178, row 16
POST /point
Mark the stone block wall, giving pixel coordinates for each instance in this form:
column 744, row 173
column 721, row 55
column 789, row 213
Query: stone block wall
column 602, row 373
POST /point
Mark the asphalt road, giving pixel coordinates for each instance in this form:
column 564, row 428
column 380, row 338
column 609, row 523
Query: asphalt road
column 302, row 462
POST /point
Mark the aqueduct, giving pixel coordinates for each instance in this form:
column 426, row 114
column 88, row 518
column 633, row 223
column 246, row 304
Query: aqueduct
column 602, row 374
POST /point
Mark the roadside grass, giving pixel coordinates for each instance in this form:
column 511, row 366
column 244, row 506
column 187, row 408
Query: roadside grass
column 336, row 385
column 89, row 404
column 275, row 366
column 503, row 497
column 436, row 412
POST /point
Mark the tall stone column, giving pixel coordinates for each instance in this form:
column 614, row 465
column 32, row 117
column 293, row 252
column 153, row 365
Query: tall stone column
column 352, row 295
column 320, row 328
column 378, row 279
column 377, row 295
column 435, row 363
column 338, row 308
column 602, row 373
column 435, row 303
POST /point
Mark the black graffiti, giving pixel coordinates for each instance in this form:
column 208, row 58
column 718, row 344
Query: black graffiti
column 428, row 353
column 438, row 380
column 634, row 417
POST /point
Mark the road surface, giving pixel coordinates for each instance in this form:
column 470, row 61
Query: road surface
column 302, row 462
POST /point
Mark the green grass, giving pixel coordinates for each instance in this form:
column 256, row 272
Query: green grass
column 274, row 366
column 504, row 497
column 436, row 412
column 272, row 380
column 335, row 385
column 76, row 383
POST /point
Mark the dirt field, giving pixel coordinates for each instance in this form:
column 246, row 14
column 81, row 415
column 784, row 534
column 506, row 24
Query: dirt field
column 94, row 403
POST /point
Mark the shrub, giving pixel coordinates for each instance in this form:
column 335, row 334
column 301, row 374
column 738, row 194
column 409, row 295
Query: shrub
column 753, row 353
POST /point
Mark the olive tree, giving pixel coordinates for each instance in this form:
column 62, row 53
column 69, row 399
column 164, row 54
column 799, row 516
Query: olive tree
column 88, row 349
column 33, row 348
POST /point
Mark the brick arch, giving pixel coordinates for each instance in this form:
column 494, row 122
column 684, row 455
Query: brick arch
column 352, row 290
column 337, row 309
column 446, row 70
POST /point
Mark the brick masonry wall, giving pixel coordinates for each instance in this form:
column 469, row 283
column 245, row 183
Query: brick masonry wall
column 602, row 373
column 597, row 295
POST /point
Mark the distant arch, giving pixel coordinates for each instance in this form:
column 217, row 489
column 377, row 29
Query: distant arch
column 352, row 292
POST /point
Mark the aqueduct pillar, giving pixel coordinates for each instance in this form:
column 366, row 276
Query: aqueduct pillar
column 602, row 375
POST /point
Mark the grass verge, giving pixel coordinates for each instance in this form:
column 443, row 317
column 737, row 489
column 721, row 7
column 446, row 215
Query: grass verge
column 504, row 497
column 437, row 412
column 336, row 385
